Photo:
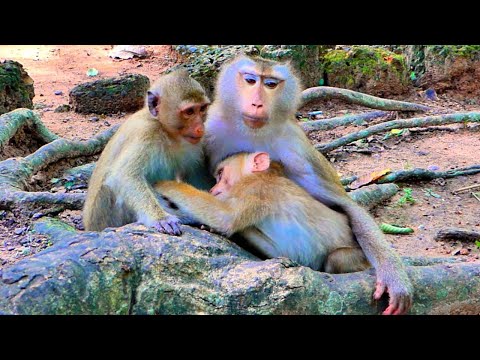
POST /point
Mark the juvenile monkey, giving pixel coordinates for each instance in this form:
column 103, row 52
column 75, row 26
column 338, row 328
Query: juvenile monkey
column 275, row 216
column 159, row 142
column 254, row 110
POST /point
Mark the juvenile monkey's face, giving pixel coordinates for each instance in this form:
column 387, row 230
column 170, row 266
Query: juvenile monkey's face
column 191, row 120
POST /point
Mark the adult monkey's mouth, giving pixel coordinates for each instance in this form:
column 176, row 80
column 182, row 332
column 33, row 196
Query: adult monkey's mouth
column 254, row 122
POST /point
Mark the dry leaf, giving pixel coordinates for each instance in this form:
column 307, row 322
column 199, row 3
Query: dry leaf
column 368, row 178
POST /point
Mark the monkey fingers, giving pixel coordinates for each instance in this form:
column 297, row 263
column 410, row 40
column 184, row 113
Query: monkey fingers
column 169, row 225
column 399, row 303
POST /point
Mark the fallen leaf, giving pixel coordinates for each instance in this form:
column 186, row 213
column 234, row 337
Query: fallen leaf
column 368, row 178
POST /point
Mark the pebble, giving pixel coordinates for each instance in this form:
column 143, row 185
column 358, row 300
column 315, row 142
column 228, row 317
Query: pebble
column 464, row 252
column 10, row 248
column 18, row 231
column 94, row 118
column 58, row 92
column 106, row 123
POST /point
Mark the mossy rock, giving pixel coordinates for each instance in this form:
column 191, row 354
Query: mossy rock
column 368, row 69
column 16, row 87
column 446, row 68
column 204, row 62
column 108, row 96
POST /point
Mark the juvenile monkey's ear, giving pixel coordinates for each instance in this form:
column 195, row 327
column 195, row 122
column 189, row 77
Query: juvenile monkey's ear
column 153, row 100
column 259, row 161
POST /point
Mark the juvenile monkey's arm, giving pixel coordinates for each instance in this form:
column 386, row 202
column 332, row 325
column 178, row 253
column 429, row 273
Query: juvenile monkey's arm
column 139, row 196
column 186, row 201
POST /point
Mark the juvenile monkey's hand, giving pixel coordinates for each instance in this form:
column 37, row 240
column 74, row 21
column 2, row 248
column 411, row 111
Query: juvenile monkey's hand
column 400, row 292
column 169, row 225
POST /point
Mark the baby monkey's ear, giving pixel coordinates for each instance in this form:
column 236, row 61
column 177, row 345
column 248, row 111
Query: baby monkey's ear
column 259, row 161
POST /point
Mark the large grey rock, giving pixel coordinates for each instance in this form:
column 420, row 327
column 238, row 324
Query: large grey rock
column 125, row 93
column 16, row 87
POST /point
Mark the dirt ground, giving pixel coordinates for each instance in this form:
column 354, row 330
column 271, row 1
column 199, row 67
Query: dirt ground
column 60, row 68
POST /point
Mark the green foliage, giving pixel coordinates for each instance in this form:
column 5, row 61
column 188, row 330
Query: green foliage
column 407, row 197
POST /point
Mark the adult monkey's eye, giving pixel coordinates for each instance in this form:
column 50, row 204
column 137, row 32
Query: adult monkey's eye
column 271, row 83
column 250, row 79
column 203, row 108
column 189, row 111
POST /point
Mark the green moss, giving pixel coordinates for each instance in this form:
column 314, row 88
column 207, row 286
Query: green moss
column 467, row 51
column 365, row 60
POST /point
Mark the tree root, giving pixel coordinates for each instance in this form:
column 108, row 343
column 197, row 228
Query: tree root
column 354, row 97
column 400, row 124
column 418, row 174
column 15, row 172
column 133, row 270
column 13, row 121
column 371, row 196
column 328, row 124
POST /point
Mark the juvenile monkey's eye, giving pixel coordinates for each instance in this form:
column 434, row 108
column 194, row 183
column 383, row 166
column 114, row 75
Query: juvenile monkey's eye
column 250, row 79
column 189, row 111
column 271, row 83
column 219, row 174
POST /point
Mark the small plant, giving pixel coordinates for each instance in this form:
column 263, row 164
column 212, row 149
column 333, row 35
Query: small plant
column 407, row 197
column 477, row 243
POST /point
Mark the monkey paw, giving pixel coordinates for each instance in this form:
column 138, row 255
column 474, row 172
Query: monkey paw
column 400, row 298
column 169, row 225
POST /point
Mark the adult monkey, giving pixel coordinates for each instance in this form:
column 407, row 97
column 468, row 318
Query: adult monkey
column 254, row 110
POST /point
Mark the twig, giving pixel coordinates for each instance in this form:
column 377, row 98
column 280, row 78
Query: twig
column 473, row 116
column 476, row 196
column 354, row 97
column 466, row 188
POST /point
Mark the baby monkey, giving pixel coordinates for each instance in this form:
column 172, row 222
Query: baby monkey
column 276, row 217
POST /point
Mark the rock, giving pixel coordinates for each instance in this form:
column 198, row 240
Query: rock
column 62, row 108
column 19, row 231
column 107, row 96
column 106, row 123
column 127, row 52
column 368, row 69
column 94, row 118
column 16, row 87
column 58, row 92
column 430, row 95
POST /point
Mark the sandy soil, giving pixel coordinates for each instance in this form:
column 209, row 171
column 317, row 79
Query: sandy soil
column 60, row 68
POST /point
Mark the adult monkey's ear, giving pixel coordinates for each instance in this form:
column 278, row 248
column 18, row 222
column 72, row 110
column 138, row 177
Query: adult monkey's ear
column 153, row 100
column 259, row 161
